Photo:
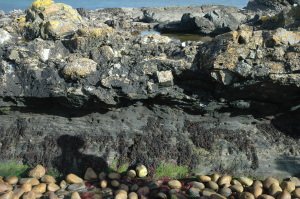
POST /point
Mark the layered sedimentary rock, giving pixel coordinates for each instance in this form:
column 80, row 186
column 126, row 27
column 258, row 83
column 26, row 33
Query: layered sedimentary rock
column 94, row 93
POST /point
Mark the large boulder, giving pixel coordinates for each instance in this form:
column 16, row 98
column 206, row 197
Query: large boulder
column 51, row 20
column 276, row 5
column 245, row 59
column 214, row 22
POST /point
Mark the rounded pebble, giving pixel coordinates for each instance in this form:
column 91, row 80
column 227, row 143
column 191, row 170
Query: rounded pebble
column 174, row 184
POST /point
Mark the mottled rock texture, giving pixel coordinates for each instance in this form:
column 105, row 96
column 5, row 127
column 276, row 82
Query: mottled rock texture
column 93, row 94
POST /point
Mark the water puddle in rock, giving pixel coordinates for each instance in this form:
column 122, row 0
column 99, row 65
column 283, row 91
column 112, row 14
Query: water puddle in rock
column 180, row 36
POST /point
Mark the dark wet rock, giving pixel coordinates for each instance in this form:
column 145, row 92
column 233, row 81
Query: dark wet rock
column 228, row 105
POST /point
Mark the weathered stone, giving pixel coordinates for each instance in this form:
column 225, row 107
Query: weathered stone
column 79, row 68
column 224, row 180
column 4, row 36
column 38, row 172
column 269, row 181
column 288, row 186
column 174, row 184
column 12, row 180
column 237, row 188
column 75, row 195
column 7, row 195
column 203, row 178
column 246, row 195
column 40, row 188
column 26, row 187
column 73, row 179
column 5, row 187
column 48, row 179
column 131, row 173
column 225, row 192
column 165, row 78
column 141, row 171
column 284, row 195
column 212, row 185
column 90, row 174
column 30, row 195
column 246, row 181
column 275, row 189
column 114, row 176
column 52, row 187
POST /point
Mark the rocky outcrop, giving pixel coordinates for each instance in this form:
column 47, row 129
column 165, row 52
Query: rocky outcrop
column 276, row 5
column 213, row 22
column 51, row 20
column 95, row 94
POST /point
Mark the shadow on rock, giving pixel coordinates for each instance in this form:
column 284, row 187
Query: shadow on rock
column 72, row 160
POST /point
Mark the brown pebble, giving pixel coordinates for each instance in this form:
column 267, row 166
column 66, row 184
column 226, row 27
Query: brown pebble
column 275, row 189
column 247, row 195
column 75, row 195
column 37, row 172
column 269, row 181
column 265, row 196
column 26, row 187
column 224, row 180
column 52, row 187
column 12, row 180
column 73, row 179
column 29, row 195
column 40, row 188
column 4, row 186
column 7, row 195
column 288, row 185
column 284, row 195
column 48, row 179
column 257, row 191
column 203, row 178
column 296, row 193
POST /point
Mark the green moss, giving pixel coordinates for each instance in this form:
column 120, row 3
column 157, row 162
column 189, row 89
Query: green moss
column 54, row 172
column 116, row 167
column 171, row 170
column 12, row 168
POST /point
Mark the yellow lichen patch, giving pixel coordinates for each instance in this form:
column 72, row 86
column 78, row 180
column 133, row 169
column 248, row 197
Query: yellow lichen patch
column 95, row 32
column 38, row 4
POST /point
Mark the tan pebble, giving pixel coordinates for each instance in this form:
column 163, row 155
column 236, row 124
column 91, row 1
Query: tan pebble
column 174, row 184
column 40, row 188
column 236, row 182
column 203, row 178
column 37, row 172
column 284, row 195
column 296, row 193
column 63, row 184
column 217, row 196
column 102, row 176
column 198, row 185
column 265, row 196
column 18, row 193
column 4, row 186
column 257, row 191
column 115, row 183
column 73, row 179
column 296, row 181
column 212, row 185
column 12, row 180
column 7, row 195
column 288, row 185
column 103, row 184
column 75, row 195
column 141, row 171
column 90, row 174
column 275, row 189
column 131, row 173
column 121, row 194
column 53, row 187
column 114, row 176
column 26, row 187
column 32, row 181
column 269, row 181
column 237, row 188
column 224, row 180
column 208, row 192
column 246, row 181
column 246, row 195
column 29, row 195
column 133, row 195
column 48, row 179
column 215, row 177
column 257, row 183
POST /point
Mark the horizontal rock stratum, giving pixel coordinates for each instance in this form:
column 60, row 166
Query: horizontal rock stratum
column 82, row 88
